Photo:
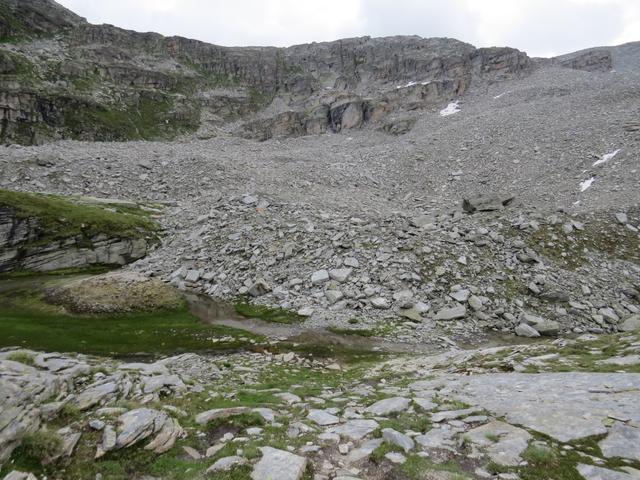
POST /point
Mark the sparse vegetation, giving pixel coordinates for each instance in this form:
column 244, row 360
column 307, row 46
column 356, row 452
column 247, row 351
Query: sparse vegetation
column 268, row 314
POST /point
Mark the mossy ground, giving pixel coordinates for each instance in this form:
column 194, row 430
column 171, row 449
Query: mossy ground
column 268, row 314
column 27, row 321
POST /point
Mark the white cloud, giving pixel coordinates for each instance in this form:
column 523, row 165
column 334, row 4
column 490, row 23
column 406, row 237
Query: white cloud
column 540, row 27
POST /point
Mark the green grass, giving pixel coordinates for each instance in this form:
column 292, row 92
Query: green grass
column 359, row 332
column 236, row 422
column 41, row 446
column 415, row 468
column 25, row 321
column 540, row 456
column 268, row 314
column 378, row 454
column 62, row 218
column 407, row 421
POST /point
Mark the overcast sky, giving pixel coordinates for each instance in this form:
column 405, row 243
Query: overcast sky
column 539, row 27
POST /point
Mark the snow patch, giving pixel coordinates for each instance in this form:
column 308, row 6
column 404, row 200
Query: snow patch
column 605, row 158
column 586, row 184
column 452, row 108
column 501, row 95
column 412, row 83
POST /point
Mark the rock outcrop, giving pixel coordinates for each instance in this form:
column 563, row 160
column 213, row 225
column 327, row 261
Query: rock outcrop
column 20, row 248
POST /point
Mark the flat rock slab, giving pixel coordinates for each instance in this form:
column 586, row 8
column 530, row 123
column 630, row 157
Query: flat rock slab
column 355, row 429
column 322, row 417
column 226, row 464
column 622, row 441
column 503, row 443
column 389, row 406
column 591, row 472
column 565, row 406
column 280, row 465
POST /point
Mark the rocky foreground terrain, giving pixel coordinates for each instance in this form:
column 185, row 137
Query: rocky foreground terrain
column 376, row 200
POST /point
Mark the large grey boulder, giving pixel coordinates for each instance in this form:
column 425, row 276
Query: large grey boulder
column 485, row 203
column 630, row 324
column 398, row 439
column 524, row 330
column 279, row 465
column 451, row 313
column 139, row 424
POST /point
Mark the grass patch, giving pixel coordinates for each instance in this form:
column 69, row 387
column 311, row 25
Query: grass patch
column 41, row 446
column 540, row 456
column 27, row 322
column 415, row 467
column 22, row 357
column 237, row 422
column 360, row 332
column 378, row 454
column 60, row 218
column 268, row 314
column 407, row 421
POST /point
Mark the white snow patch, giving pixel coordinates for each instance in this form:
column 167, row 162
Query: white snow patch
column 412, row 83
column 586, row 184
column 501, row 95
column 605, row 158
column 452, row 108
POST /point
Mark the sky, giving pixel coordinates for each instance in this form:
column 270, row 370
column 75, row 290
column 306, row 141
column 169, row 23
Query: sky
column 539, row 27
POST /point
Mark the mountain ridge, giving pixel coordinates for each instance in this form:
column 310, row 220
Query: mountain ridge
column 64, row 78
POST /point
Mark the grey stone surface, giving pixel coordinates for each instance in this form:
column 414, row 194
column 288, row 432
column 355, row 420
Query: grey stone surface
column 322, row 418
column 565, row 406
column 226, row 463
column 622, row 441
column 398, row 439
column 278, row 464
column 592, row 472
column 388, row 406
column 503, row 443
column 355, row 429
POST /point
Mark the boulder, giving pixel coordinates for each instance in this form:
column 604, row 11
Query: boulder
column 630, row 324
column 398, row 439
column 485, row 203
column 524, row 330
column 279, row 464
column 451, row 313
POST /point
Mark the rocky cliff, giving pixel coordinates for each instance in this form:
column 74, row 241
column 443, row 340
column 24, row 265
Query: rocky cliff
column 61, row 77
column 33, row 240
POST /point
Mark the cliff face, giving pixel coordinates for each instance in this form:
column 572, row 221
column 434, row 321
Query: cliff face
column 61, row 77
